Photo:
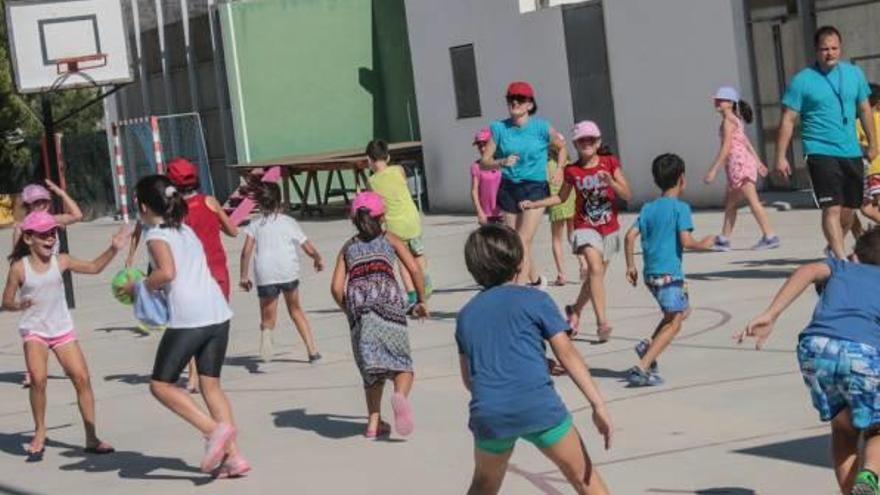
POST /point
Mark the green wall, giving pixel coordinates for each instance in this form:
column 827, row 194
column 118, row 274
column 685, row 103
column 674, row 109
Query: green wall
column 307, row 76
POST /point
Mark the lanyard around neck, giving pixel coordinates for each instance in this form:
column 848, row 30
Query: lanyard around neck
column 838, row 91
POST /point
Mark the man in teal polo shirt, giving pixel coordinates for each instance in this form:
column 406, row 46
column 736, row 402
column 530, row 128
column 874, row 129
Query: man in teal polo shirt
column 827, row 96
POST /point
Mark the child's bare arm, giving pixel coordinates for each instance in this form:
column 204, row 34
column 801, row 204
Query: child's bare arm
column 97, row 265
column 247, row 253
column 553, row 200
column 13, row 282
column 133, row 244
column 313, row 253
column 337, row 284
column 72, row 213
column 618, row 182
column 577, row 369
column 226, row 225
column 629, row 250
column 723, row 151
column 475, row 199
column 465, row 371
column 761, row 327
column 688, row 242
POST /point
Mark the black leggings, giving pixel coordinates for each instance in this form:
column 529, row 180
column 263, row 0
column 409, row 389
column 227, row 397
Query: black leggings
column 206, row 344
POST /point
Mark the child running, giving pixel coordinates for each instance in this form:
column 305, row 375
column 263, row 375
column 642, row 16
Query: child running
column 35, row 197
column 561, row 215
column 500, row 335
column 839, row 356
column 274, row 237
column 485, row 184
column 401, row 215
column 46, row 324
column 198, row 324
column 872, row 171
column 743, row 167
column 365, row 288
column 598, row 181
column 665, row 225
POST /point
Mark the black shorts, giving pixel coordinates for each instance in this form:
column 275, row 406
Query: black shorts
column 271, row 291
column 837, row 181
column 510, row 194
column 206, row 344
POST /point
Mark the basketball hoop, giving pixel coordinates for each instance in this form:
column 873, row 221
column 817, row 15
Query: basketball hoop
column 71, row 65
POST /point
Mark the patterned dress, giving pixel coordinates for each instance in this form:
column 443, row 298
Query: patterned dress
column 742, row 166
column 376, row 310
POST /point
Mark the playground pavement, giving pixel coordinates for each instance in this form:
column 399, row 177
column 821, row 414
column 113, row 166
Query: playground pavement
column 729, row 420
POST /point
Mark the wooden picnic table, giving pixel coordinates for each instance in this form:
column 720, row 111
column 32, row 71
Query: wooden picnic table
column 334, row 163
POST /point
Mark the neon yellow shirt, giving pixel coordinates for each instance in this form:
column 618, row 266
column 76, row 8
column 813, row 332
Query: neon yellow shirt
column 874, row 168
column 401, row 215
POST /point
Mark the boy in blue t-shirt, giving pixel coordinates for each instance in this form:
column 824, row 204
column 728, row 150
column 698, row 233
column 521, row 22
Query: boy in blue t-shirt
column 665, row 225
column 839, row 355
column 501, row 336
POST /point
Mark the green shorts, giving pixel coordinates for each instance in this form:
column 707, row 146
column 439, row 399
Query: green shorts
column 541, row 439
column 416, row 246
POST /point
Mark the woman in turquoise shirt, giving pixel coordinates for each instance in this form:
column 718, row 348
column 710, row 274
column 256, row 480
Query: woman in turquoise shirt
column 518, row 147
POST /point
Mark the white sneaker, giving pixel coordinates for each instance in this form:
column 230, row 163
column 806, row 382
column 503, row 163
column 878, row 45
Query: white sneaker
column 266, row 341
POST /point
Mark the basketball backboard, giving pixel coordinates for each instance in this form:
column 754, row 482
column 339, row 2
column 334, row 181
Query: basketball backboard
column 58, row 44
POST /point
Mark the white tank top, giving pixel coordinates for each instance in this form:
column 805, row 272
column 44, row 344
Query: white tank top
column 48, row 316
column 194, row 298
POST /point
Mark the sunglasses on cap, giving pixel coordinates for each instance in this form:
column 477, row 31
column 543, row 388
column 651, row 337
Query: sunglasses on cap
column 588, row 140
column 518, row 99
column 52, row 234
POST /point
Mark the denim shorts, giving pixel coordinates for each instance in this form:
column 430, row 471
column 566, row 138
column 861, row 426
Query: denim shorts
column 670, row 292
column 841, row 374
column 272, row 291
column 542, row 439
column 511, row 194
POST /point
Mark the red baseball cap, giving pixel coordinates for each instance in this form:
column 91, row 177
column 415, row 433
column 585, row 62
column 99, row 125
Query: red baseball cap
column 182, row 172
column 520, row 88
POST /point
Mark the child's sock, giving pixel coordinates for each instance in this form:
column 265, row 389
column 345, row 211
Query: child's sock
column 429, row 287
column 412, row 297
column 866, row 482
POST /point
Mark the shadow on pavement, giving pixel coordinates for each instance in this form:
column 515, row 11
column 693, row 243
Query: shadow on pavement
column 252, row 363
column 335, row 426
column 129, row 378
column 17, row 377
column 135, row 330
column 606, row 373
column 726, row 490
column 740, row 274
column 777, row 262
column 813, row 451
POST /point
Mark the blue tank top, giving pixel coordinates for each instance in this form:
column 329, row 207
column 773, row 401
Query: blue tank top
column 530, row 142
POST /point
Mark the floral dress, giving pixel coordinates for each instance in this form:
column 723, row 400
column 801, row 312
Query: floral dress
column 376, row 310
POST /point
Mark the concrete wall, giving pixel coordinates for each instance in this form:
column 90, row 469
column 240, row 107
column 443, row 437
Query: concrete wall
column 511, row 46
column 666, row 60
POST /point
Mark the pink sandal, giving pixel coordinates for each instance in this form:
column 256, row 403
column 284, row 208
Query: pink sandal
column 604, row 332
column 383, row 430
column 215, row 447
column 403, row 414
column 234, row 466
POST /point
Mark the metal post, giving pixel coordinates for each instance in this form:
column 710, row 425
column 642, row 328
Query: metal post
column 163, row 57
column 55, row 176
column 190, row 56
column 144, row 82
column 121, row 189
column 157, row 145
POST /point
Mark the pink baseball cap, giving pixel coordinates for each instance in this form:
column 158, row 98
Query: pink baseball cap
column 585, row 128
column 34, row 192
column 371, row 201
column 40, row 222
column 482, row 136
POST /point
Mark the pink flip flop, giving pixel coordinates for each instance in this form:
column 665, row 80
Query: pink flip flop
column 234, row 466
column 215, row 447
column 403, row 414
column 383, row 430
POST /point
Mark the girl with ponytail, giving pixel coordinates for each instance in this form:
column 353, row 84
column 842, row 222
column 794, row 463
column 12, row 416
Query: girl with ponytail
column 743, row 167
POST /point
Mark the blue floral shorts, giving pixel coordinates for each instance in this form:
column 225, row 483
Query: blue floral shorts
column 670, row 292
column 842, row 374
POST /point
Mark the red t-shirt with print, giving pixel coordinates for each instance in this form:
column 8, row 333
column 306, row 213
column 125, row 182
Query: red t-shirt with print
column 594, row 203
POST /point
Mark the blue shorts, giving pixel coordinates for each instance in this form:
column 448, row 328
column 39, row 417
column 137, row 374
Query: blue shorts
column 841, row 374
column 272, row 291
column 671, row 293
column 511, row 194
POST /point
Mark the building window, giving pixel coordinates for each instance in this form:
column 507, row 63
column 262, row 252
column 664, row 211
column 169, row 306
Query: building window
column 464, row 77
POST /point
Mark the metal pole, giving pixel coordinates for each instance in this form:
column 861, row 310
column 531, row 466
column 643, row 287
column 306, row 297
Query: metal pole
column 144, row 82
column 55, row 176
column 163, row 57
column 190, row 57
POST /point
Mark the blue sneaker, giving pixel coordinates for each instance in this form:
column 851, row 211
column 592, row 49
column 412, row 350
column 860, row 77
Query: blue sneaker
column 721, row 243
column 640, row 378
column 641, row 349
column 767, row 243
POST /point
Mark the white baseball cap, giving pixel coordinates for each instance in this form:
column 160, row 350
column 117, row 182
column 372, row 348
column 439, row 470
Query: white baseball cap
column 728, row 93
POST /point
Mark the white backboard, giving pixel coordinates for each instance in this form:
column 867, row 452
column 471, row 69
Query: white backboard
column 42, row 32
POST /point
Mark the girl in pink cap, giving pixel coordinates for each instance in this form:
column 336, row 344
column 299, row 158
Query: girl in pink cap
column 46, row 324
column 35, row 197
column 597, row 181
column 743, row 168
column 364, row 287
column 485, row 183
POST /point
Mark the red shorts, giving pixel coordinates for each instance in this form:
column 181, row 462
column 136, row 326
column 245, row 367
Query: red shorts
column 50, row 342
